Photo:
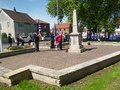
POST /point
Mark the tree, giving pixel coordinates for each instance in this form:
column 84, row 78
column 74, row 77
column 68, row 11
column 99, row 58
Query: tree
column 90, row 12
column 52, row 8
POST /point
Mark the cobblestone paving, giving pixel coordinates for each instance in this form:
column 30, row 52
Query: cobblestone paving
column 57, row 59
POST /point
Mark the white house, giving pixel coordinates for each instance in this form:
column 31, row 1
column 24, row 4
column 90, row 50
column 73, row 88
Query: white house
column 15, row 22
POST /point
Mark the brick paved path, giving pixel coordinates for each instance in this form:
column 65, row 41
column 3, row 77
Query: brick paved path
column 57, row 59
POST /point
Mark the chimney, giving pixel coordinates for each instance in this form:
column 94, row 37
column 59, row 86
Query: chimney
column 14, row 9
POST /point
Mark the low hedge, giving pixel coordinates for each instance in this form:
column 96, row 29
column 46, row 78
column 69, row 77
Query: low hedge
column 18, row 47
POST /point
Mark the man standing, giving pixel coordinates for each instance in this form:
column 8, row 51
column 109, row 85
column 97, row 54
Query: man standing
column 9, row 40
column 17, row 39
column 36, row 42
column 52, row 40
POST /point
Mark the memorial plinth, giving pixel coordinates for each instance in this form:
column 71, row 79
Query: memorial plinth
column 75, row 37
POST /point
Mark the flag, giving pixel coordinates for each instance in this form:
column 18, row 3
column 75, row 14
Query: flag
column 38, row 28
column 54, row 30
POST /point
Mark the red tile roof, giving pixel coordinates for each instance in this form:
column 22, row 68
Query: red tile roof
column 19, row 16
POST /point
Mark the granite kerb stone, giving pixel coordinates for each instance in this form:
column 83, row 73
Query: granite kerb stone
column 88, row 63
column 4, row 70
column 77, row 72
column 44, row 71
column 16, row 52
column 15, row 76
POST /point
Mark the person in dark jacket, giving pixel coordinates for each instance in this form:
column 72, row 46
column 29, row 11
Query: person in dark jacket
column 52, row 40
column 17, row 39
column 36, row 42
column 9, row 40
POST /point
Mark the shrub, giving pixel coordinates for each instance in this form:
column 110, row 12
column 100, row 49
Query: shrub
column 4, row 35
column 15, row 48
column 27, row 46
column 19, row 47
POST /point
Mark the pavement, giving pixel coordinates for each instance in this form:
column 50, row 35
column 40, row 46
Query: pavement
column 57, row 60
column 3, row 70
column 6, row 45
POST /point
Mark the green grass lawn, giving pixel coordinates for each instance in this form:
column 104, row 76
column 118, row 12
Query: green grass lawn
column 106, row 79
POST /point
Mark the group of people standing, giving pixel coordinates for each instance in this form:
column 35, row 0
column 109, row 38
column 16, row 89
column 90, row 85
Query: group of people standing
column 19, row 40
column 56, row 41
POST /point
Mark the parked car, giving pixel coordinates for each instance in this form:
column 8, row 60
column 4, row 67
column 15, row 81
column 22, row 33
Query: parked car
column 45, row 38
column 26, row 39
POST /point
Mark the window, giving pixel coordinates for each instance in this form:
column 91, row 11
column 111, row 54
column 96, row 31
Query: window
column 8, row 24
column 20, row 25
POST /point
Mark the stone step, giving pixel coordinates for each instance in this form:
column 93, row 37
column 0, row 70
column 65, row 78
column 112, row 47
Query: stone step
column 4, row 70
column 16, row 76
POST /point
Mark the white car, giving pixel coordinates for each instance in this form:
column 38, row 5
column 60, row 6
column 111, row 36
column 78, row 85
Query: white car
column 25, row 39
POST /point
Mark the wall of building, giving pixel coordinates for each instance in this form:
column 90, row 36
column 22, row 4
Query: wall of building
column 25, row 28
column 64, row 28
column 7, row 24
column 45, row 29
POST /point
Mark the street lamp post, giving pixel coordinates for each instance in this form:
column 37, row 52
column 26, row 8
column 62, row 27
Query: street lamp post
column 1, row 49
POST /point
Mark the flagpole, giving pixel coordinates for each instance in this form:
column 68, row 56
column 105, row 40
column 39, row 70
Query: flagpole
column 57, row 10
column 57, row 16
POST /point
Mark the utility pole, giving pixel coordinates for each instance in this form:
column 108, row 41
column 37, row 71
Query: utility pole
column 1, row 49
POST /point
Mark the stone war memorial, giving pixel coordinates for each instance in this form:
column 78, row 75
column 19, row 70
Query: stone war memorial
column 75, row 37
column 58, row 67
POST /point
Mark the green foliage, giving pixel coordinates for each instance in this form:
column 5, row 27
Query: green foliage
column 102, row 82
column 90, row 12
column 26, row 46
column 4, row 35
column 25, row 85
column 15, row 48
column 109, row 26
column 18, row 47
